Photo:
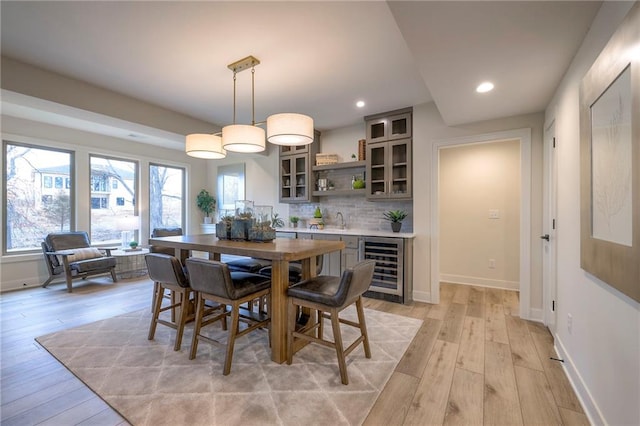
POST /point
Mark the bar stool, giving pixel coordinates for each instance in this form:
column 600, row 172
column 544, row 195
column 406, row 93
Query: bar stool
column 329, row 296
column 212, row 280
column 167, row 274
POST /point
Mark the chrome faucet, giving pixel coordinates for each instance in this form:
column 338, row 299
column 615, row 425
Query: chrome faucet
column 342, row 224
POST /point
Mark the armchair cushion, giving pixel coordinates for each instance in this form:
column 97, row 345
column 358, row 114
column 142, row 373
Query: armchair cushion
column 84, row 254
column 90, row 265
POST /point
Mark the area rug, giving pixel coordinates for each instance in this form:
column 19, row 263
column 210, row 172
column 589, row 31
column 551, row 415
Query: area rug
column 149, row 383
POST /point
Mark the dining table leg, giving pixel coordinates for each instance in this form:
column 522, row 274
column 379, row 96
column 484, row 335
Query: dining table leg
column 279, row 284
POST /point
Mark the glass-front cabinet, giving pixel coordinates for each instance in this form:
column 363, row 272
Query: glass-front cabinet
column 390, row 126
column 389, row 157
column 389, row 170
column 296, row 183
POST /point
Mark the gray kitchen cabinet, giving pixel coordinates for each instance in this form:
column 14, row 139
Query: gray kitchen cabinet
column 389, row 170
column 331, row 261
column 389, row 156
column 295, row 177
column 389, row 126
column 350, row 254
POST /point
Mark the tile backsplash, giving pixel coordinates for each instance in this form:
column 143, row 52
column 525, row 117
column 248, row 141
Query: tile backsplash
column 357, row 212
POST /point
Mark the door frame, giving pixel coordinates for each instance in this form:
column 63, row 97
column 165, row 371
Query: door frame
column 550, row 227
column 524, row 136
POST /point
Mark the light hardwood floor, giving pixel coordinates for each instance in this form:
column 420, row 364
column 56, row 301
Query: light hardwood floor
column 472, row 362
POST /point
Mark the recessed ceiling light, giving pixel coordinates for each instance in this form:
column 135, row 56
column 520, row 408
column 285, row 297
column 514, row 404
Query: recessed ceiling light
column 485, row 87
column 360, row 104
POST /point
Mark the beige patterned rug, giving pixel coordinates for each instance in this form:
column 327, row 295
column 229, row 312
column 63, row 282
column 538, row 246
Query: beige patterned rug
column 150, row 384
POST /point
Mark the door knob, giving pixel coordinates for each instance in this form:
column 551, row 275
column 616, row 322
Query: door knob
column 545, row 237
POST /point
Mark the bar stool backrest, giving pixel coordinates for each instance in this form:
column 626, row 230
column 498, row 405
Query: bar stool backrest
column 166, row 269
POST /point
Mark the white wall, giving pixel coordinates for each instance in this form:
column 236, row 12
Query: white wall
column 343, row 141
column 474, row 179
column 603, row 351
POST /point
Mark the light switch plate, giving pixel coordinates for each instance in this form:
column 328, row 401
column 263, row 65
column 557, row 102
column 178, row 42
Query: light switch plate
column 494, row 214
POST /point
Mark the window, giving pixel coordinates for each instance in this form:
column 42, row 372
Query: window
column 230, row 187
column 166, row 196
column 99, row 203
column 58, row 182
column 33, row 207
column 67, row 183
column 99, row 182
column 112, row 205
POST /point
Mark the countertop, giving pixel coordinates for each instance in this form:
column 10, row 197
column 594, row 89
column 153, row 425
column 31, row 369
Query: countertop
column 349, row 231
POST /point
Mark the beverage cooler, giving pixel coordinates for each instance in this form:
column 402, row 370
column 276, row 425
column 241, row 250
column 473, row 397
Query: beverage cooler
column 392, row 277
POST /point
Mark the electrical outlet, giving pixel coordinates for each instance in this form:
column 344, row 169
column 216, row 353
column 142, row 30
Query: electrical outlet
column 492, row 264
column 570, row 323
column 494, row 214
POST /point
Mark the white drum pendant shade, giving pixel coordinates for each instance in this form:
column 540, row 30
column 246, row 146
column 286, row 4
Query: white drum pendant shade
column 290, row 129
column 243, row 138
column 201, row 145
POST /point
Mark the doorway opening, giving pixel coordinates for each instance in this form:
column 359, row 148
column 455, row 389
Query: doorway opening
column 520, row 140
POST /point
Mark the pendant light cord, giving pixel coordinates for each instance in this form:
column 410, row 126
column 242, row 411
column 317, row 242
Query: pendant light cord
column 234, row 97
column 253, row 96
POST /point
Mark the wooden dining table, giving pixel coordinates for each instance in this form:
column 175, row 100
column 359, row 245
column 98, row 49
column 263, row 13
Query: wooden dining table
column 280, row 251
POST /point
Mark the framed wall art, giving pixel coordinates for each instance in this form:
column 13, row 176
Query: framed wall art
column 610, row 161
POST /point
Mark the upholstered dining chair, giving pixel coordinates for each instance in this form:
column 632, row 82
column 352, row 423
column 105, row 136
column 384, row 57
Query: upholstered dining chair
column 212, row 280
column 295, row 270
column 247, row 264
column 168, row 274
column 164, row 232
column 328, row 296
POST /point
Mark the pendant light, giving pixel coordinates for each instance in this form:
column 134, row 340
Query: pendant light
column 242, row 137
column 282, row 129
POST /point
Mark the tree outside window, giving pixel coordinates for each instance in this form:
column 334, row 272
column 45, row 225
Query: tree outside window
column 33, row 207
column 166, row 196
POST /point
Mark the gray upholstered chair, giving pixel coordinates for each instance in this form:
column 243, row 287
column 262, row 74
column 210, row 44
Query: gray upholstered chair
column 247, row 264
column 328, row 296
column 168, row 274
column 69, row 255
column 164, row 232
column 212, row 280
column 295, row 270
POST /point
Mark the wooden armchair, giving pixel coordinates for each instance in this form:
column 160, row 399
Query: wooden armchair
column 70, row 255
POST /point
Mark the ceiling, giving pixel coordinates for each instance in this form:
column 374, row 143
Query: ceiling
column 317, row 58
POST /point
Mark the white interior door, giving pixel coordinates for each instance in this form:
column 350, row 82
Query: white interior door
column 550, row 226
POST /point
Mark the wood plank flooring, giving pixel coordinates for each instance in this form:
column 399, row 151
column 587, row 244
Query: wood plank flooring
column 476, row 363
column 472, row 362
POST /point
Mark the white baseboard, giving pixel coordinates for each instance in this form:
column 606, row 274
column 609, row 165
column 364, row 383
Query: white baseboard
column 577, row 383
column 481, row 282
column 30, row 282
column 422, row 296
column 536, row 314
